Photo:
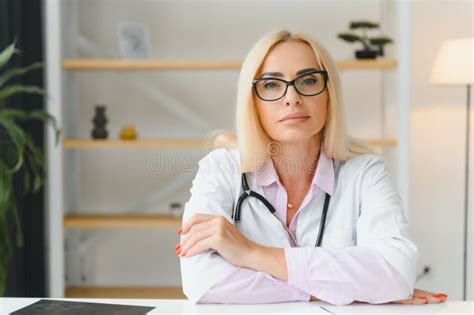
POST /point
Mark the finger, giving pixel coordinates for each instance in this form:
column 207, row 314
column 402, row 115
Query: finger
column 430, row 296
column 194, row 229
column 194, row 236
column 413, row 301
column 202, row 245
column 195, row 219
column 437, row 298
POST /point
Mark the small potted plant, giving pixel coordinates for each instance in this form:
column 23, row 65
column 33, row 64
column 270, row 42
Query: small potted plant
column 372, row 46
column 18, row 153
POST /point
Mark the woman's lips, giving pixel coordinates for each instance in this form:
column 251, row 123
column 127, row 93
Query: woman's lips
column 295, row 120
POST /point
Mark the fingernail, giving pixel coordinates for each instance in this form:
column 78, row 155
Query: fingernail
column 179, row 231
column 183, row 254
column 422, row 297
column 178, row 251
column 178, row 245
column 440, row 295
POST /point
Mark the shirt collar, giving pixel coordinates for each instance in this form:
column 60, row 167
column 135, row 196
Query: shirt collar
column 323, row 177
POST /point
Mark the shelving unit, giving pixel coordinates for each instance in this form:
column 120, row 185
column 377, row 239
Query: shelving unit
column 140, row 65
column 171, row 143
column 57, row 69
column 138, row 143
column 132, row 292
column 120, row 220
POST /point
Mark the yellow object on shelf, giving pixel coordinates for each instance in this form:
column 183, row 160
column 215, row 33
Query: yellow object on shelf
column 128, row 133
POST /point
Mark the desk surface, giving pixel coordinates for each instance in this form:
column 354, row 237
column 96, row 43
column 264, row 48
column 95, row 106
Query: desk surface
column 8, row 305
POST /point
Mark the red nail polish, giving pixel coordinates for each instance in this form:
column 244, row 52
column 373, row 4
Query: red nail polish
column 440, row 296
column 422, row 297
column 178, row 251
column 178, row 245
column 179, row 231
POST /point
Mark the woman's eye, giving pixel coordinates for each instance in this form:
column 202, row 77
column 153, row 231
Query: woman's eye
column 309, row 81
column 271, row 85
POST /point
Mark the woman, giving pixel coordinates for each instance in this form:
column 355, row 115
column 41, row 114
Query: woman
column 294, row 151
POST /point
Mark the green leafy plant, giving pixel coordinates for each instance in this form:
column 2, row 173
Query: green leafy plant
column 18, row 153
column 369, row 43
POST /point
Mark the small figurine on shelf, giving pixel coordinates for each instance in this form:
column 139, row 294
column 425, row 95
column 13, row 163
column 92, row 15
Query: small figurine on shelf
column 176, row 209
column 99, row 120
column 128, row 132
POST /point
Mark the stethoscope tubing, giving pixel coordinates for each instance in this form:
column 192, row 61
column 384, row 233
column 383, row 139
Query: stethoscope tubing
column 250, row 193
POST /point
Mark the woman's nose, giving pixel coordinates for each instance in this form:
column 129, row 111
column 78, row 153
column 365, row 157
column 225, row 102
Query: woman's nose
column 292, row 97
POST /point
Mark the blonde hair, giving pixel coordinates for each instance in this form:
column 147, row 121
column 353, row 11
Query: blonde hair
column 252, row 140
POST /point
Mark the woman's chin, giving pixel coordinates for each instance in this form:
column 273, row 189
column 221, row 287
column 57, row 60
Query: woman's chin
column 294, row 136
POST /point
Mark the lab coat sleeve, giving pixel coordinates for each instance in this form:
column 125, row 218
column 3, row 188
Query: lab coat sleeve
column 380, row 269
column 212, row 193
column 383, row 225
column 248, row 286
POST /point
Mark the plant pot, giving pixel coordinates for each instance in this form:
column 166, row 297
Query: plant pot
column 366, row 54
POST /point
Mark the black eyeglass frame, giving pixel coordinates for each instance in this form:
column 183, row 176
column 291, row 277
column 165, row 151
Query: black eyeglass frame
column 292, row 82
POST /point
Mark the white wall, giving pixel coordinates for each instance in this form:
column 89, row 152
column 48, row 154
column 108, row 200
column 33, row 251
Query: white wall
column 438, row 138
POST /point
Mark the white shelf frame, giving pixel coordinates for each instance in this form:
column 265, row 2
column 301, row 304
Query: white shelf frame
column 54, row 203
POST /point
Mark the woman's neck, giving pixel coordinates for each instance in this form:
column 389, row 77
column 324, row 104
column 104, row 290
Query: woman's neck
column 296, row 162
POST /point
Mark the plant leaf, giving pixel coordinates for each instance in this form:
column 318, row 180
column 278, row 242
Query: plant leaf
column 363, row 24
column 380, row 41
column 36, row 162
column 15, row 72
column 47, row 118
column 13, row 113
column 16, row 88
column 35, row 114
column 17, row 135
column 349, row 37
column 6, row 230
column 5, row 186
column 6, row 54
column 19, row 232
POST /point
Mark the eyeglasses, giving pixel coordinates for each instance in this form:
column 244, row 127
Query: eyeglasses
column 308, row 84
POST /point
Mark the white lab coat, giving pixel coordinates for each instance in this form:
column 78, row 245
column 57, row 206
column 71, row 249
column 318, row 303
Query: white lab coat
column 365, row 210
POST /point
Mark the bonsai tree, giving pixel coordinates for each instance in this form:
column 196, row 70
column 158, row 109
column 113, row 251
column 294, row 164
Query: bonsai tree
column 18, row 153
column 367, row 42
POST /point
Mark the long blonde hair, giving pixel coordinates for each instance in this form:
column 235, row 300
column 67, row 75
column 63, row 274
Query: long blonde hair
column 252, row 140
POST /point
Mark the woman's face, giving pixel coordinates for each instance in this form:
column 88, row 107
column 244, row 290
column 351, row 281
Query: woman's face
column 284, row 61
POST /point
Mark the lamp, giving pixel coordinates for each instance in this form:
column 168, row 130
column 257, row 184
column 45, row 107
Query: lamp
column 454, row 65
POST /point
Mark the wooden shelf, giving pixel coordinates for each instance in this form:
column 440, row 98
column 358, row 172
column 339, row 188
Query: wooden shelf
column 171, row 143
column 155, row 64
column 384, row 143
column 123, row 292
column 90, row 221
column 118, row 64
column 138, row 143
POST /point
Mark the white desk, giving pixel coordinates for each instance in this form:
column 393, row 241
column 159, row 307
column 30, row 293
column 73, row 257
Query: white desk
column 8, row 305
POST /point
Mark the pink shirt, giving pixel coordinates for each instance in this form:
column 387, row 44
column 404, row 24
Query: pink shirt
column 337, row 276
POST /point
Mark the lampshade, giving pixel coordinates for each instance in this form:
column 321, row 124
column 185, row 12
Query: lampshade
column 454, row 64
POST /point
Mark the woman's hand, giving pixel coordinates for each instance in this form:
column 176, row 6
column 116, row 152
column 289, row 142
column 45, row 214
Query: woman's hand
column 203, row 232
column 424, row 297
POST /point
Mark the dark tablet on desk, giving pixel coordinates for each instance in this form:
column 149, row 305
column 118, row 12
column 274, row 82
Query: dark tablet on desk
column 57, row 307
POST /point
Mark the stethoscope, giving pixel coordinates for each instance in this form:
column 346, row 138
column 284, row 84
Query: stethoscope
column 249, row 193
